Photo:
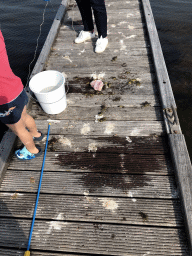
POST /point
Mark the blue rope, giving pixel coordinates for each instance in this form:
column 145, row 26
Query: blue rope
column 38, row 193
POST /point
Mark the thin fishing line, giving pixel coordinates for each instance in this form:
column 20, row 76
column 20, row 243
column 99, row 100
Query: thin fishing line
column 37, row 44
column 52, row 6
column 27, row 84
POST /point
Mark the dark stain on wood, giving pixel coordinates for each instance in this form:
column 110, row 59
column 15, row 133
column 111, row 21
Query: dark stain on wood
column 103, row 109
column 98, row 218
column 114, row 59
column 103, row 119
column 77, row 22
column 108, row 163
column 81, row 80
column 14, row 196
column 92, row 93
column 97, row 226
column 105, row 180
column 51, row 144
column 134, row 81
column 98, row 163
column 32, row 180
column 69, row 8
column 113, row 164
column 143, row 215
column 116, row 99
column 145, row 104
column 87, row 90
column 112, row 236
column 122, row 76
column 124, row 65
column 119, row 84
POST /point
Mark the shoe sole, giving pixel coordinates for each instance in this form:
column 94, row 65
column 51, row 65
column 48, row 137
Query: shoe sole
column 39, row 138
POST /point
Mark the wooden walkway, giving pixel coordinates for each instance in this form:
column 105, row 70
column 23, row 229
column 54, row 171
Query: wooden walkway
column 109, row 184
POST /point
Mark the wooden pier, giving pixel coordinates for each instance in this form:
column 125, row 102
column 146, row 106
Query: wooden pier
column 117, row 173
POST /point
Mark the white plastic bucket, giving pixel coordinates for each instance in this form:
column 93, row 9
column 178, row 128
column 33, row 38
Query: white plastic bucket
column 49, row 89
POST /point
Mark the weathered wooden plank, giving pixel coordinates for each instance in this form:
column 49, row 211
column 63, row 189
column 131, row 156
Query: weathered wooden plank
column 183, row 171
column 71, row 62
column 98, row 162
column 117, row 78
column 145, row 75
column 113, row 5
column 131, row 38
column 98, row 114
column 121, row 14
column 133, row 89
column 78, row 68
column 108, row 184
column 116, row 69
column 6, row 147
column 122, row 5
column 88, row 51
column 128, row 36
column 116, row 45
column 136, row 22
column 80, row 100
column 123, row 79
column 166, row 213
column 151, row 145
column 122, row 38
column 106, row 128
column 93, row 238
column 74, row 26
column 112, row 28
column 110, row 100
column 122, row 29
column 119, row 84
column 11, row 252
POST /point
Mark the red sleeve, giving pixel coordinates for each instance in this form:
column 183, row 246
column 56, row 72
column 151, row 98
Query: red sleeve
column 10, row 85
column 2, row 43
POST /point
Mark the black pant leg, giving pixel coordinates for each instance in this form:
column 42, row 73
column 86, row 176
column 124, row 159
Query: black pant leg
column 86, row 14
column 100, row 15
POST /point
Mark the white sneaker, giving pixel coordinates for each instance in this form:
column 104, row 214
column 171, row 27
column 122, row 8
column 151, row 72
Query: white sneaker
column 83, row 36
column 101, row 44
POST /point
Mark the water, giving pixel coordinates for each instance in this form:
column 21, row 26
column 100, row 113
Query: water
column 174, row 23
column 20, row 21
column 48, row 89
column 20, row 24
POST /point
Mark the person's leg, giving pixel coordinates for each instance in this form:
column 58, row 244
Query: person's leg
column 86, row 14
column 30, row 123
column 26, row 137
column 100, row 15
